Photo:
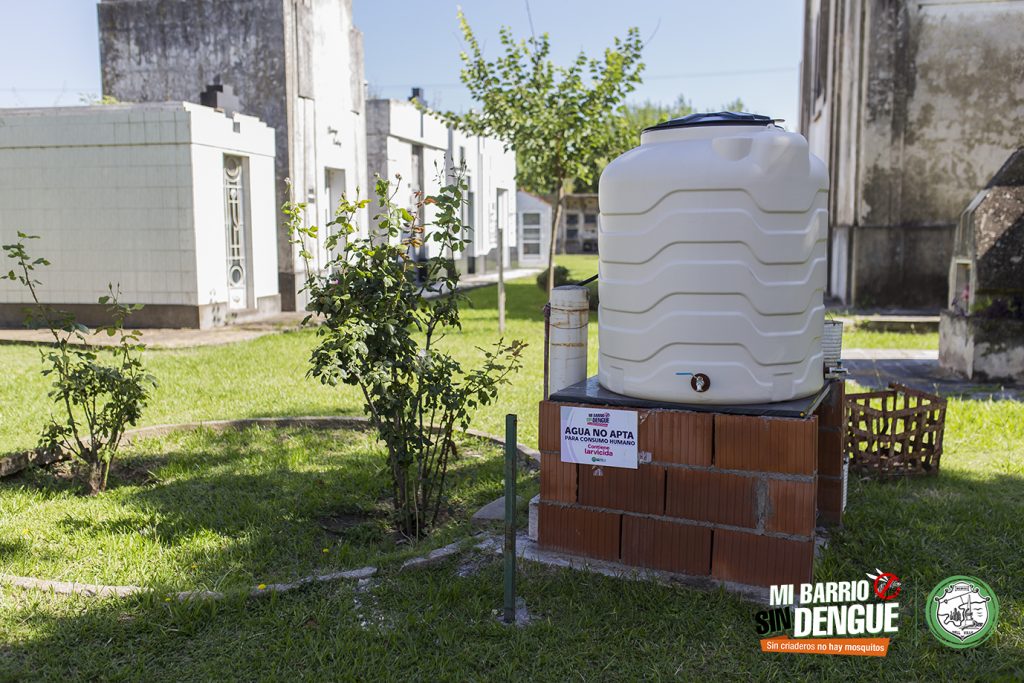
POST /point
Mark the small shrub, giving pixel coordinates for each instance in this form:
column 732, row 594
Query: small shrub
column 98, row 391
column 561, row 277
column 380, row 332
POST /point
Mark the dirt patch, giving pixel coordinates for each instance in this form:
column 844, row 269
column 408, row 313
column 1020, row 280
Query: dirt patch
column 341, row 523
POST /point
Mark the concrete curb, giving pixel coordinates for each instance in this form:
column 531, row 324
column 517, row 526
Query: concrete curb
column 94, row 590
column 528, row 549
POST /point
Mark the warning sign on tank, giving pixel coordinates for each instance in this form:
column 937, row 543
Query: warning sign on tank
column 593, row 436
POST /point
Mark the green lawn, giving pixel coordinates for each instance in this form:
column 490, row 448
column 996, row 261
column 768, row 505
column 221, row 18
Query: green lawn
column 856, row 338
column 244, row 506
column 266, row 377
column 229, row 511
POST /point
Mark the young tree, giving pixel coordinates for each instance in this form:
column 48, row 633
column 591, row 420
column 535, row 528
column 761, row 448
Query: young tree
column 558, row 119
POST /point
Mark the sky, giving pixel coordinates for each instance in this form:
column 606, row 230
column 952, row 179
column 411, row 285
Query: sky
column 710, row 52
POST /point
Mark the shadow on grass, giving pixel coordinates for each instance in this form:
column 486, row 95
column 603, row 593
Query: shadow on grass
column 437, row 624
column 232, row 509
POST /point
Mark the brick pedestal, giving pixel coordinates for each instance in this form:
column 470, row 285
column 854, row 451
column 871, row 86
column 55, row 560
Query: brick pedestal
column 728, row 496
column 831, row 437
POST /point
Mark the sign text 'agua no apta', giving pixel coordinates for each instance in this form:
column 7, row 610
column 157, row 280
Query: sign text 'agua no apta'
column 593, row 436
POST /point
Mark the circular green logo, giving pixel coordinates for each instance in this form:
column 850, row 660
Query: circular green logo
column 962, row 612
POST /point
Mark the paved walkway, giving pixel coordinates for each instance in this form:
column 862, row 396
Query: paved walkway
column 173, row 338
column 170, row 338
column 919, row 369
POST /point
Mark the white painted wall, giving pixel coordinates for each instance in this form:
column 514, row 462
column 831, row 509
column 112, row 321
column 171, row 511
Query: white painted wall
column 133, row 194
column 213, row 137
column 489, row 168
column 338, row 126
column 395, row 126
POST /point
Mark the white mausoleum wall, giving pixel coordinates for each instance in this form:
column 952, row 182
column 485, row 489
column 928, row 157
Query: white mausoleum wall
column 133, row 195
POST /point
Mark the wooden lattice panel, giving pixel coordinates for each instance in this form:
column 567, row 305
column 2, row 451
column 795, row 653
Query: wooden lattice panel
column 894, row 433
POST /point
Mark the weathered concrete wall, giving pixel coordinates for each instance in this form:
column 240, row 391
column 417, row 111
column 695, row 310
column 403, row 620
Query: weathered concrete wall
column 980, row 348
column 296, row 64
column 922, row 103
column 161, row 50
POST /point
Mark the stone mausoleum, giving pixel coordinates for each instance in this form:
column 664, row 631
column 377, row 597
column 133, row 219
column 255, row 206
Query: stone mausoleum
column 981, row 334
column 295, row 64
column 172, row 202
column 403, row 141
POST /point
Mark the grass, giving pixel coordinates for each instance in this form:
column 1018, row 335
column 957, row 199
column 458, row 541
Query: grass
column 266, row 376
column 228, row 511
column 857, row 338
column 438, row 623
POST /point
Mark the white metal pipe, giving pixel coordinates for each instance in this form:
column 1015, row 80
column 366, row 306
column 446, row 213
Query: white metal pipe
column 567, row 348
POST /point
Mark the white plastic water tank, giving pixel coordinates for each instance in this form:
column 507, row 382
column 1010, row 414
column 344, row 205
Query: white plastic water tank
column 712, row 263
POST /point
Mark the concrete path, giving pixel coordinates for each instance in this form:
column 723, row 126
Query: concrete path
column 474, row 281
column 170, row 338
column 920, row 369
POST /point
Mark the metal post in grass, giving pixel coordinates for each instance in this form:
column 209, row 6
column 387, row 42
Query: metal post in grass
column 511, row 453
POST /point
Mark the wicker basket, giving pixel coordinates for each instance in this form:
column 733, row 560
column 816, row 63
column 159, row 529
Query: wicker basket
column 894, row 433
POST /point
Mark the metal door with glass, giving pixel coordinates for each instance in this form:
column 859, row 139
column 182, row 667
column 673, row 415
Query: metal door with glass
column 235, row 227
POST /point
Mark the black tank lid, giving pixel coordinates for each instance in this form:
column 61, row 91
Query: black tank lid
column 721, row 118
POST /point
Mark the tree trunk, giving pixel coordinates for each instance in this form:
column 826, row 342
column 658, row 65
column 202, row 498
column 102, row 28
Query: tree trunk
column 556, row 216
column 94, row 477
column 501, row 274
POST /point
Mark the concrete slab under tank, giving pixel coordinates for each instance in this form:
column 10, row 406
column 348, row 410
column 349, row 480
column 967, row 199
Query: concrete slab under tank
column 590, row 391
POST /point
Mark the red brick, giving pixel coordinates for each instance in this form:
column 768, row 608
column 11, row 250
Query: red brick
column 678, row 436
column 760, row 560
column 766, row 444
column 830, row 500
column 582, row 532
column 666, row 545
column 557, row 479
column 709, row 496
column 639, row 490
column 792, row 507
column 831, row 442
column 549, row 427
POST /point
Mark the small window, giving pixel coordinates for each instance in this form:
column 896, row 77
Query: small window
column 531, row 219
column 572, row 219
column 531, row 233
column 571, row 233
column 531, row 249
column 590, row 219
